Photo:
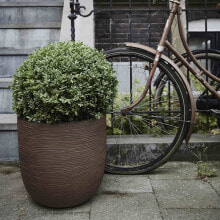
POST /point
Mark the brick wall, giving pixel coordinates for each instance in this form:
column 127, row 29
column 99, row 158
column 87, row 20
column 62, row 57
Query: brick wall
column 201, row 14
column 112, row 29
column 115, row 28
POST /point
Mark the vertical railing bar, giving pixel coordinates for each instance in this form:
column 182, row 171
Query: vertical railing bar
column 206, row 47
column 131, row 76
column 169, row 97
column 170, row 36
column 130, row 14
column 149, row 22
column 149, row 43
column 110, row 24
column 168, row 4
column 111, row 41
column 206, row 24
column 187, row 18
column 187, row 34
column 169, row 55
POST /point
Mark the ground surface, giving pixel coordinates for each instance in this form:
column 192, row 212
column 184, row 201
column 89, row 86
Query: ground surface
column 171, row 192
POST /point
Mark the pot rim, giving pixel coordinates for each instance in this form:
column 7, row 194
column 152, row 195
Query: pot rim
column 60, row 123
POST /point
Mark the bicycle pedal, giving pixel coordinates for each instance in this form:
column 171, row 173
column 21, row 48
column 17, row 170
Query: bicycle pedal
column 215, row 111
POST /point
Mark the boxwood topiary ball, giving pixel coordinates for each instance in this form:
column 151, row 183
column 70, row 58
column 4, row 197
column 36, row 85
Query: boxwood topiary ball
column 63, row 82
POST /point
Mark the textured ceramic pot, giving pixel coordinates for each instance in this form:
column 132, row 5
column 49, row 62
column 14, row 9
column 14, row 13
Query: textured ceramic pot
column 62, row 165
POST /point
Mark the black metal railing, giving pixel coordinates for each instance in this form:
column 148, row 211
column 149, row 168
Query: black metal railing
column 142, row 21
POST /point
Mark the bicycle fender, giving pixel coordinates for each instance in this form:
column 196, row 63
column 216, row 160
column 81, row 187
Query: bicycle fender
column 180, row 74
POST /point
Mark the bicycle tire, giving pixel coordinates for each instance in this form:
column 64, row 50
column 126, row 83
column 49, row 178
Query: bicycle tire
column 130, row 149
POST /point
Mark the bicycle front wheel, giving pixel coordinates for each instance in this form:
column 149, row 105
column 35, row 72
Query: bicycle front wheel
column 148, row 135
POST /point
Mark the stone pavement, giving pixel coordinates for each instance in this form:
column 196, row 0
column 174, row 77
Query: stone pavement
column 171, row 192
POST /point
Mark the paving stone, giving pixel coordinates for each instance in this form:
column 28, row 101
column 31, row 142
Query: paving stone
column 11, row 186
column 31, row 208
column 216, row 184
column 214, row 181
column 123, row 197
column 125, row 184
column 15, row 203
column 178, row 165
column 125, row 206
column 11, row 209
column 185, row 194
column 25, row 208
column 191, row 214
column 56, row 216
column 175, row 170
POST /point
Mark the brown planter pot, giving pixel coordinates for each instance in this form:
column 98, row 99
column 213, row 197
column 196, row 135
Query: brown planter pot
column 62, row 165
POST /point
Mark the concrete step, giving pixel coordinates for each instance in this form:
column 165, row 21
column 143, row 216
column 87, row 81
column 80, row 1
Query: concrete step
column 9, row 63
column 31, row 3
column 8, row 122
column 6, row 101
column 36, row 25
column 5, row 96
column 201, row 145
column 26, row 15
column 8, row 51
column 27, row 38
column 147, row 146
column 5, row 82
column 8, row 138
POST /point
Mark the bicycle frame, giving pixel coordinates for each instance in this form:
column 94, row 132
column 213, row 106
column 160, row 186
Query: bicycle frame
column 175, row 11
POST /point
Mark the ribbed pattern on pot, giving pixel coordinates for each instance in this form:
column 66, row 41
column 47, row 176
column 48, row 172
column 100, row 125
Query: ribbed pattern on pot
column 62, row 165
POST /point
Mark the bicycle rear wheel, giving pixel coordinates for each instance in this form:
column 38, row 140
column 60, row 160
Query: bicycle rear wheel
column 205, row 101
column 210, row 60
column 148, row 135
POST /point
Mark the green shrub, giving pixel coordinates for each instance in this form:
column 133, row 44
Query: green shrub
column 63, row 82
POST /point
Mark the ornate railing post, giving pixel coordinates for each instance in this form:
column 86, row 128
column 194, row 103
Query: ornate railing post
column 72, row 17
column 75, row 10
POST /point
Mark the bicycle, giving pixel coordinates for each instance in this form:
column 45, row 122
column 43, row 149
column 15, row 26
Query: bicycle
column 155, row 99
